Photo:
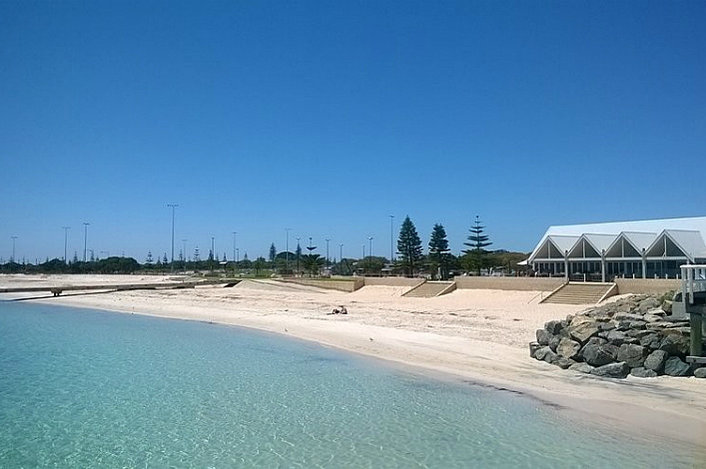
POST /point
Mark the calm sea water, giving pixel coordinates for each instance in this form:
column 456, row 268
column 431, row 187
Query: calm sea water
column 82, row 388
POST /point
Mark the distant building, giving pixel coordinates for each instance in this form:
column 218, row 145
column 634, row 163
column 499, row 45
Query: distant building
column 639, row 249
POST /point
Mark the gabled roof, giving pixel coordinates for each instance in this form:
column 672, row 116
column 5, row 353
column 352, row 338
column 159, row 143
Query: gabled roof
column 690, row 242
column 641, row 234
column 561, row 243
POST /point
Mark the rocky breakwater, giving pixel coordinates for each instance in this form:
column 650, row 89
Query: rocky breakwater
column 633, row 335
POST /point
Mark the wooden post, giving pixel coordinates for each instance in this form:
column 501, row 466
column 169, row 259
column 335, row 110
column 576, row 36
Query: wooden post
column 695, row 321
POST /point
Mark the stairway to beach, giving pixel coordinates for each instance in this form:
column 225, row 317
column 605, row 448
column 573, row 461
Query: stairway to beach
column 580, row 293
column 431, row 289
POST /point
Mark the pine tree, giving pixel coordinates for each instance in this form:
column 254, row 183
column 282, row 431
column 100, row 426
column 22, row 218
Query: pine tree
column 478, row 241
column 273, row 252
column 409, row 246
column 439, row 251
column 149, row 259
column 197, row 258
column 165, row 260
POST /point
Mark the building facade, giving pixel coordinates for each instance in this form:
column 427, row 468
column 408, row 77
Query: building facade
column 633, row 249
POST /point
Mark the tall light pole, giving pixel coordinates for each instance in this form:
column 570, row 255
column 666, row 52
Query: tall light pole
column 286, row 262
column 85, row 239
column 363, row 251
column 370, row 238
column 173, row 206
column 66, row 239
column 235, row 238
column 327, row 241
column 183, row 242
column 12, row 259
column 392, row 252
column 298, row 249
column 340, row 252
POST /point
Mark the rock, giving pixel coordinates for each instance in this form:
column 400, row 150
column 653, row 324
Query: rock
column 633, row 355
column 612, row 370
column 543, row 337
column 553, row 327
column 568, row 348
column 627, row 317
column 651, row 341
column 655, row 361
column 533, row 347
column 667, row 306
column 584, row 330
column 596, row 341
column 581, row 368
column 554, row 342
column 546, row 354
column 606, row 326
column 597, row 355
column 563, row 362
column 631, row 340
column 699, row 372
column 675, row 367
column 675, row 344
column 657, row 312
column 653, row 318
column 641, row 372
column 637, row 324
column 616, row 337
column 648, row 304
column 623, row 325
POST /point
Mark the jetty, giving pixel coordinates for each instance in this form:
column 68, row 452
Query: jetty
column 57, row 290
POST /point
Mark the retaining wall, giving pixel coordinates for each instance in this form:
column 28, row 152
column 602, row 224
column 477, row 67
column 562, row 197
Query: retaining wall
column 347, row 285
column 647, row 285
column 393, row 281
column 509, row 283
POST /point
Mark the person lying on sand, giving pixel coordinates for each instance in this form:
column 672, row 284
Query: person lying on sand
column 343, row 310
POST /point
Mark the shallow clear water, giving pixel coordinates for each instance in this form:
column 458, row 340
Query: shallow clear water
column 82, row 388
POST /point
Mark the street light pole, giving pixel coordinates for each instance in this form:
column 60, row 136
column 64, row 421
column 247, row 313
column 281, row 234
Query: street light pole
column 392, row 252
column 183, row 241
column 173, row 206
column 12, row 259
column 235, row 234
column 370, row 238
column 85, row 239
column 286, row 255
column 327, row 241
column 66, row 238
column 340, row 252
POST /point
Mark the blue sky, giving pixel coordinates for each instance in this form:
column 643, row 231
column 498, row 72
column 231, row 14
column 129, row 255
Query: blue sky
column 326, row 117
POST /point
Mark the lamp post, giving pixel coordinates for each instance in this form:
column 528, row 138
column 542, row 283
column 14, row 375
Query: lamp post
column 286, row 255
column 66, row 239
column 183, row 243
column 327, row 241
column 392, row 252
column 340, row 252
column 12, row 259
column 298, row 249
column 235, row 239
column 85, row 239
column 370, row 238
column 173, row 206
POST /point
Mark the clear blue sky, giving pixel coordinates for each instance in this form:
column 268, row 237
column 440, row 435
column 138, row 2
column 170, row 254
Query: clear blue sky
column 326, row 117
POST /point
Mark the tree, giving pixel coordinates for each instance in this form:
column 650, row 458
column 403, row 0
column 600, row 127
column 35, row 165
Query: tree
column 273, row 252
column 197, row 258
column 149, row 259
column 409, row 246
column 259, row 264
column 478, row 241
column 439, row 251
column 312, row 263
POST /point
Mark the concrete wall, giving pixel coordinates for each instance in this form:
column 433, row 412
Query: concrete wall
column 639, row 285
column 347, row 285
column 510, row 283
column 393, row 281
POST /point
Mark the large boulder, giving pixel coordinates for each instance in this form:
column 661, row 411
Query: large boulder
column 533, row 347
column 667, row 306
column 615, row 337
column 563, row 362
column 582, row 328
column 655, row 361
column 581, row 367
column 648, row 304
column 674, row 343
column 554, row 342
column 642, row 372
column 651, row 341
column 597, row 355
column 546, row 354
column 700, row 372
column 543, row 336
column 553, row 327
column 633, row 355
column 675, row 367
column 568, row 348
column 612, row 370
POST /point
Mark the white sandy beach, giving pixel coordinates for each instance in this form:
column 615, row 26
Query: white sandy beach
column 479, row 335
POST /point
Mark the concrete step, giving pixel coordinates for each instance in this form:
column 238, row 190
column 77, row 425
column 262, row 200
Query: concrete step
column 430, row 289
column 579, row 293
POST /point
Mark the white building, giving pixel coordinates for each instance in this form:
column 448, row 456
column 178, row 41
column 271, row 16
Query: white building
column 603, row 251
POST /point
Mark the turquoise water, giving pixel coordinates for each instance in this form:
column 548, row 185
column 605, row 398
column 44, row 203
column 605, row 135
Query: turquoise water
column 82, row 388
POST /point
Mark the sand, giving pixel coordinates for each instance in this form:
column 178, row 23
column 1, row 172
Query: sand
column 480, row 336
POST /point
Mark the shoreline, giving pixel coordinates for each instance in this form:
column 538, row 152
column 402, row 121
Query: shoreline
column 662, row 408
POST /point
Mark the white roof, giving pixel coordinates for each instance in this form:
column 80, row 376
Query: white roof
column 688, row 233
